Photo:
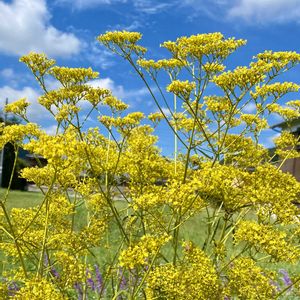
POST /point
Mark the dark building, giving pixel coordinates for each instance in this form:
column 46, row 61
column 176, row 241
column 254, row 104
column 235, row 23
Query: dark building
column 291, row 165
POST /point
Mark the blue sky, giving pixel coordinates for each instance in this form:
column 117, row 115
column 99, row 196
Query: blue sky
column 66, row 30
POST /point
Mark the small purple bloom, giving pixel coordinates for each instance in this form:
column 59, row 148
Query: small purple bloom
column 99, row 279
column 123, row 282
column 90, row 280
column 286, row 278
column 276, row 285
column 13, row 288
column 54, row 272
column 78, row 288
column 52, row 269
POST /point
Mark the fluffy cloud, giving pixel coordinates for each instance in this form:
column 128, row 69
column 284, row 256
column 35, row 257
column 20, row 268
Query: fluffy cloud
column 151, row 7
column 85, row 4
column 143, row 6
column 7, row 73
column 136, row 98
column 25, row 26
column 35, row 111
column 249, row 108
column 263, row 11
column 251, row 11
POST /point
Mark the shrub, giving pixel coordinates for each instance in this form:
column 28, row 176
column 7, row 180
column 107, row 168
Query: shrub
column 223, row 178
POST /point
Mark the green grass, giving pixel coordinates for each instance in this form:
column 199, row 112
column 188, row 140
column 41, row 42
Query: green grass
column 19, row 199
column 193, row 230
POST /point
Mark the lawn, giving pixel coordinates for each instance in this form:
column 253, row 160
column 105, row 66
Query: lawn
column 21, row 199
column 190, row 230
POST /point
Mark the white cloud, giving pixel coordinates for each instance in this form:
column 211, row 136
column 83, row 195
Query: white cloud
column 52, row 129
column 35, row 111
column 138, row 98
column 249, row 108
column 131, row 27
column 250, row 11
column 268, row 142
column 265, row 11
column 166, row 111
column 7, row 73
column 99, row 56
column 143, row 6
column 108, row 83
column 150, row 6
column 25, row 26
column 85, row 4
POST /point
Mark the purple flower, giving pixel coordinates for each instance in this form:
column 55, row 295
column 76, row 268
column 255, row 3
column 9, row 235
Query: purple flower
column 276, row 285
column 54, row 272
column 78, row 288
column 12, row 288
column 123, row 282
column 52, row 269
column 89, row 280
column 286, row 278
column 99, row 279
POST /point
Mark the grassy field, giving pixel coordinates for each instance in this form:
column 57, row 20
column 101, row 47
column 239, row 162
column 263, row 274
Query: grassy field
column 20, row 199
column 191, row 230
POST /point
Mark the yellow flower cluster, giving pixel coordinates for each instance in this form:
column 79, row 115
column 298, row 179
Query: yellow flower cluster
column 197, row 46
column 120, row 37
column 73, row 76
column 213, row 67
column 40, row 176
column 194, row 278
column 125, row 124
column 241, row 151
column 167, row 64
column 38, row 63
column 17, row 133
column 183, row 122
column 249, row 281
column 222, row 184
column 66, row 112
column 72, row 95
column 241, row 77
column 182, row 89
column 286, row 112
column 279, row 60
column 114, row 103
column 142, row 161
column 277, row 89
column 267, row 239
column 142, row 252
column 254, row 121
column 96, row 95
column 156, row 117
column 286, row 140
column 18, row 107
column 217, row 103
column 125, row 40
column 39, row 289
column 30, row 225
column 72, row 270
column 294, row 103
column 221, row 180
column 286, row 145
column 272, row 192
column 179, row 196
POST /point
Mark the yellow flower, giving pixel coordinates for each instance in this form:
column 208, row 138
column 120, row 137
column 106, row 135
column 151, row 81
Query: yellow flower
column 182, row 89
column 18, row 107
